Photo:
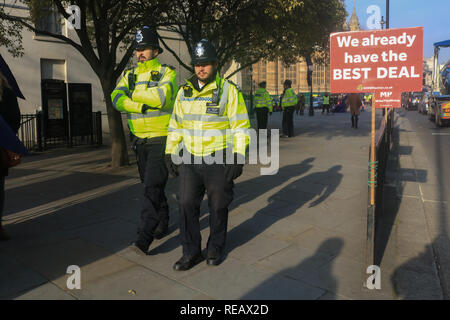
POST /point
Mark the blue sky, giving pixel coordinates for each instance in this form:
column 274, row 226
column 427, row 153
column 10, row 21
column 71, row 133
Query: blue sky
column 433, row 15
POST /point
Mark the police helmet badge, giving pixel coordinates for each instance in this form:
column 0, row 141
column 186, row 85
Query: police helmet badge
column 199, row 51
column 139, row 36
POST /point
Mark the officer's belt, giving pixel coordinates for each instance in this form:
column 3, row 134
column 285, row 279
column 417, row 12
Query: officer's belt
column 155, row 140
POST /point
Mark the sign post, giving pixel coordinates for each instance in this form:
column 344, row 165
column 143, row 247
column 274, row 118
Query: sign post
column 384, row 62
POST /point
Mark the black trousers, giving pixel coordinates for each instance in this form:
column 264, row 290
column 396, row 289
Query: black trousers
column 262, row 117
column 354, row 121
column 326, row 107
column 288, row 121
column 154, row 175
column 195, row 179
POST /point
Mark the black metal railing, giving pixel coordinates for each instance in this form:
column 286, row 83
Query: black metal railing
column 383, row 143
column 31, row 134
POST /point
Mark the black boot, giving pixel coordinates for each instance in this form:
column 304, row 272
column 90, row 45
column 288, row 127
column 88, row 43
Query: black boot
column 140, row 246
column 187, row 262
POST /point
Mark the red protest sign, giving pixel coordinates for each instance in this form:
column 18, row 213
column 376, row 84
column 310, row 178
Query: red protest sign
column 369, row 61
column 388, row 99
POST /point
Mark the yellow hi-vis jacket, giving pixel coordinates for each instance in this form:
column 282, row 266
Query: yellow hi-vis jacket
column 289, row 99
column 155, row 86
column 204, row 127
column 326, row 100
column 263, row 99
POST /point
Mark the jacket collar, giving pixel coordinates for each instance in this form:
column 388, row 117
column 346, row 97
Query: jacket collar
column 148, row 65
column 193, row 82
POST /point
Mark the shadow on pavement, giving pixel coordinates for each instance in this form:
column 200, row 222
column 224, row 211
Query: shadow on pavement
column 254, row 226
column 296, row 273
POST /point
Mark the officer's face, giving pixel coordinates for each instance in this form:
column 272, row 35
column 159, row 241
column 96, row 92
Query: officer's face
column 205, row 71
column 146, row 54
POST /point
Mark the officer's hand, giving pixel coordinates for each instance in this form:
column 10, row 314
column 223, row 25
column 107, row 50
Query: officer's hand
column 171, row 167
column 145, row 108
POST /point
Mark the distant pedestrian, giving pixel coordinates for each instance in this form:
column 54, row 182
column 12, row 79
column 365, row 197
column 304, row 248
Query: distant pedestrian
column 288, row 103
column 9, row 110
column 326, row 103
column 354, row 102
column 301, row 104
column 263, row 105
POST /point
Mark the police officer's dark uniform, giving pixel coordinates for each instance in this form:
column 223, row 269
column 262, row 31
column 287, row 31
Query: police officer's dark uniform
column 203, row 121
column 146, row 94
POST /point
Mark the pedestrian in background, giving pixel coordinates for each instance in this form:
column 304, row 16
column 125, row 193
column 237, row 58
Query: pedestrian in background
column 9, row 110
column 288, row 102
column 354, row 102
column 326, row 103
column 301, row 104
column 147, row 93
column 263, row 105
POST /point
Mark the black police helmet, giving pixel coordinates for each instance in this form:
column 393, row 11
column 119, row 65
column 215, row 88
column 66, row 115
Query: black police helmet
column 204, row 52
column 287, row 82
column 147, row 37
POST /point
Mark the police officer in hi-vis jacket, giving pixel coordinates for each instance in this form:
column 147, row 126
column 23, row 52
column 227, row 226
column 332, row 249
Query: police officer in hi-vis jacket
column 146, row 93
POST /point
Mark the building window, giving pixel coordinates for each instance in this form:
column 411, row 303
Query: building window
column 263, row 71
column 50, row 22
column 53, row 69
column 319, row 76
column 289, row 73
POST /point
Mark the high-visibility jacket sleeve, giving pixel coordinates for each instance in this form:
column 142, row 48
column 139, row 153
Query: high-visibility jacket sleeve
column 175, row 133
column 161, row 95
column 239, row 121
column 121, row 97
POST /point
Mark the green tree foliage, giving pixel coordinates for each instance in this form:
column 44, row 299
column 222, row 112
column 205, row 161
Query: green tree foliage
column 10, row 34
column 247, row 31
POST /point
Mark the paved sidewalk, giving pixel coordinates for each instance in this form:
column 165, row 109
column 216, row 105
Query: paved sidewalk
column 299, row 234
column 414, row 246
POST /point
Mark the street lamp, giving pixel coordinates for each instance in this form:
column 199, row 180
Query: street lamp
column 309, row 78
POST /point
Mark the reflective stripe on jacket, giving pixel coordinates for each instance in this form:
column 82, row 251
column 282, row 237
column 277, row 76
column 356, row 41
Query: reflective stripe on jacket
column 289, row 99
column 263, row 99
column 204, row 128
column 156, row 87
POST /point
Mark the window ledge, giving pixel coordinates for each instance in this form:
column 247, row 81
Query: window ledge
column 47, row 39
